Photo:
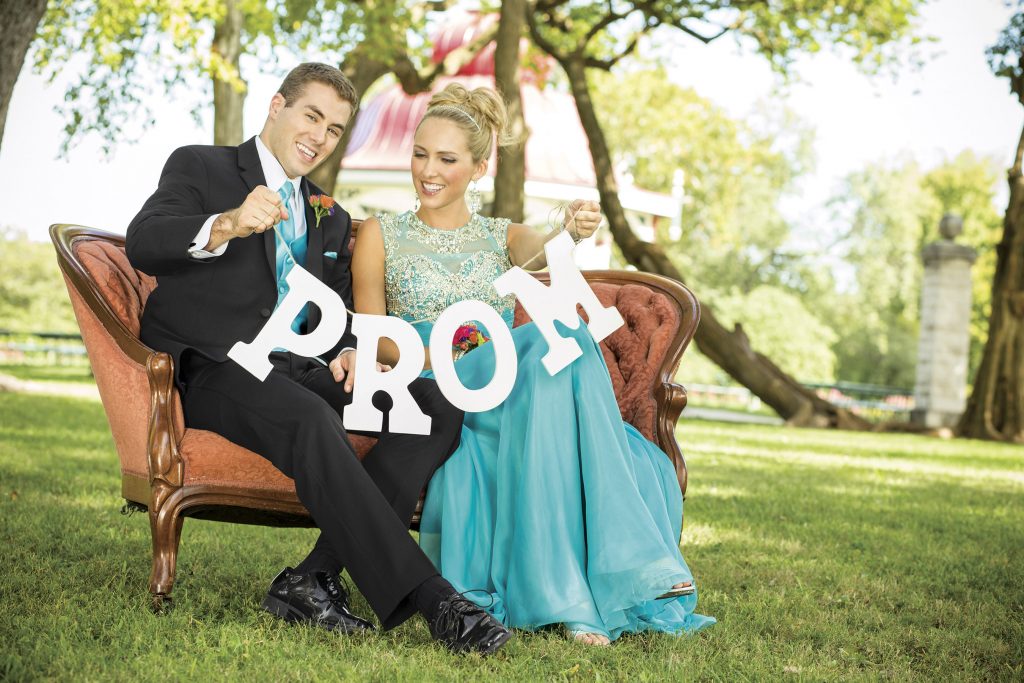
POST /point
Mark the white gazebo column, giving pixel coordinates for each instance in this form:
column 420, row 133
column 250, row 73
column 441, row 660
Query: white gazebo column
column 940, row 388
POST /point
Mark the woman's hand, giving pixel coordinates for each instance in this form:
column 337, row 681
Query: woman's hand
column 582, row 219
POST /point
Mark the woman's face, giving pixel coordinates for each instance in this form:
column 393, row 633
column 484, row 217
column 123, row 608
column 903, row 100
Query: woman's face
column 442, row 166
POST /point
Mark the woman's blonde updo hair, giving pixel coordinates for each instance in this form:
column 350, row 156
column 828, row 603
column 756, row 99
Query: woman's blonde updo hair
column 480, row 112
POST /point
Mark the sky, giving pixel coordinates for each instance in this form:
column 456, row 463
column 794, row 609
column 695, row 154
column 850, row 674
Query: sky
column 951, row 104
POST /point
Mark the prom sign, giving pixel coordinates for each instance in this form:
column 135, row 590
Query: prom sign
column 544, row 303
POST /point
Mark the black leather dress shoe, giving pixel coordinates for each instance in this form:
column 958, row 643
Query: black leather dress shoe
column 316, row 598
column 464, row 627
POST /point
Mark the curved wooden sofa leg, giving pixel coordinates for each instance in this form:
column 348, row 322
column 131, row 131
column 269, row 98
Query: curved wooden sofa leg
column 165, row 524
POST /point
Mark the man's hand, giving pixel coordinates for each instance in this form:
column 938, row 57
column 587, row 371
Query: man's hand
column 261, row 211
column 344, row 368
column 582, row 218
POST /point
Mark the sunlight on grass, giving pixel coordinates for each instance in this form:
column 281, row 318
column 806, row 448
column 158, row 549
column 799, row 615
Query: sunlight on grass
column 824, row 555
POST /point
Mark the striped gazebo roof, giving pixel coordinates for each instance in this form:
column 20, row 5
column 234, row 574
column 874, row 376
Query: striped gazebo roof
column 556, row 150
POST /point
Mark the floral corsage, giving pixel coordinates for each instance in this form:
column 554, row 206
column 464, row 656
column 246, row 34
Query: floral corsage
column 467, row 338
column 323, row 205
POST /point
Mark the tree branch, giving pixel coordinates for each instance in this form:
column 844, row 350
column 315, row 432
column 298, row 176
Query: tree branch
column 607, row 64
column 542, row 42
column 702, row 38
column 415, row 80
column 606, row 21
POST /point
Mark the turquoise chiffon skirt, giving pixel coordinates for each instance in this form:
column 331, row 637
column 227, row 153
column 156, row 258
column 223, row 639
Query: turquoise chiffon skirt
column 555, row 511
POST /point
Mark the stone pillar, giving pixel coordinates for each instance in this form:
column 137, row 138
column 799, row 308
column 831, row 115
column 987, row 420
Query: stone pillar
column 940, row 390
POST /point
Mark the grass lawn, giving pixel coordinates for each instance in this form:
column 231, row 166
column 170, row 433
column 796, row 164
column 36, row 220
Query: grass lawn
column 77, row 373
column 824, row 555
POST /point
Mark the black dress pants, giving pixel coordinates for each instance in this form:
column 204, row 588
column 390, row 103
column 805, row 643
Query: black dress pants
column 363, row 509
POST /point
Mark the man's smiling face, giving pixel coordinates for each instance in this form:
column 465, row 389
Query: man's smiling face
column 303, row 133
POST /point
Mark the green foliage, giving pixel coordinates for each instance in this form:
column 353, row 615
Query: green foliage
column 32, row 293
column 735, row 173
column 966, row 186
column 825, row 556
column 1004, row 57
column 779, row 325
column 876, row 316
column 893, row 210
column 120, row 52
column 873, row 34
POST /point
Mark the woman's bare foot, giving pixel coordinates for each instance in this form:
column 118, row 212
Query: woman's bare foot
column 587, row 638
column 678, row 590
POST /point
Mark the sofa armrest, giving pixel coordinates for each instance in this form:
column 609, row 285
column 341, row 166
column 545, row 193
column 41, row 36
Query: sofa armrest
column 165, row 463
column 671, row 399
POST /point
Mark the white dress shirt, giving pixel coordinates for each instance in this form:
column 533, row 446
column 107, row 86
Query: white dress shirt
column 275, row 176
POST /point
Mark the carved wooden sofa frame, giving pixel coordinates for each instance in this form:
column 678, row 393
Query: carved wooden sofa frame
column 175, row 472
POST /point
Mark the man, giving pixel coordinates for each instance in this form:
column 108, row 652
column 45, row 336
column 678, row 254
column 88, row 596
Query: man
column 221, row 232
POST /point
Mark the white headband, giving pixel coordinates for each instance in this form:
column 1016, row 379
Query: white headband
column 456, row 110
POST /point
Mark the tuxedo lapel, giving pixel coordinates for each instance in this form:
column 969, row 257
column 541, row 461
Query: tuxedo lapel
column 251, row 170
column 314, row 250
column 314, row 237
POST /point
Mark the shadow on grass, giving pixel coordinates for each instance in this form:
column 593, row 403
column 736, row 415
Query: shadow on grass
column 816, row 567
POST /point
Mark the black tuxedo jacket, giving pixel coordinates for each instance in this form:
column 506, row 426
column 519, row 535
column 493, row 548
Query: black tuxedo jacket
column 205, row 306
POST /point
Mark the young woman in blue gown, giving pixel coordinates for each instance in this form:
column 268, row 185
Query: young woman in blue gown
column 552, row 510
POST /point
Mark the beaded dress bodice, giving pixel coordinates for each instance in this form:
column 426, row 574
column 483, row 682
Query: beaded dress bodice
column 427, row 269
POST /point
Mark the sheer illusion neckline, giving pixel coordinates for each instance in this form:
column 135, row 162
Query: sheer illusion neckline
column 420, row 223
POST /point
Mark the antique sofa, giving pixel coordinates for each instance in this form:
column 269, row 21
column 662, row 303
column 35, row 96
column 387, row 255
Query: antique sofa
column 174, row 472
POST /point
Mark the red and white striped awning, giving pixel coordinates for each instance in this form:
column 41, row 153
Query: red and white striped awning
column 557, row 152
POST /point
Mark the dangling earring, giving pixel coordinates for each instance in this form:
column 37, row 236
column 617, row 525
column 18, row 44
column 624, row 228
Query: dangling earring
column 473, row 198
column 416, row 204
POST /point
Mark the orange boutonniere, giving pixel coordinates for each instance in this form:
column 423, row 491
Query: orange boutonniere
column 323, row 205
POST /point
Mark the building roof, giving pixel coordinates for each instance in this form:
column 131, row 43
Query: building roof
column 557, row 152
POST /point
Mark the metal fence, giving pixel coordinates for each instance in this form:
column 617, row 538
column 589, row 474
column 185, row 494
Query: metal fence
column 42, row 348
column 870, row 401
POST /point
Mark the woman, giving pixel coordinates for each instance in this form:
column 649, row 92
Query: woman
column 552, row 510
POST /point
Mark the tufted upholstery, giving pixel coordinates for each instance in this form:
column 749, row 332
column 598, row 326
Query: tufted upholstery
column 634, row 352
column 209, row 458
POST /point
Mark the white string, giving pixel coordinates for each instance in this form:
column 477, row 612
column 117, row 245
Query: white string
column 571, row 219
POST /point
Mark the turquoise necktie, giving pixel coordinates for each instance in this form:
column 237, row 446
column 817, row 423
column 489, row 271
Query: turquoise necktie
column 292, row 250
column 287, row 226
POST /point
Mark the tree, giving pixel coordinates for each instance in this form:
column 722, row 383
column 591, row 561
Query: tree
column 780, row 324
column 509, row 180
column 995, row 409
column 382, row 33
column 582, row 36
column 32, row 294
column 19, row 19
column 118, row 52
column 735, row 171
column 886, row 208
column 892, row 210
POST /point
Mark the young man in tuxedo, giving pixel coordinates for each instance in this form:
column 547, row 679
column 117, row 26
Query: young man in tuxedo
column 214, row 235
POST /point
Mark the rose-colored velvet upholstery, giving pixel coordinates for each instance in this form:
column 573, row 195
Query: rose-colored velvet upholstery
column 176, row 472
column 635, row 351
column 209, row 458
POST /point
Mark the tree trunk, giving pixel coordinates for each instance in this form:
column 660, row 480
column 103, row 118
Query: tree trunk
column 511, row 175
column 228, row 87
column 363, row 72
column 19, row 19
column 995, row 409
column 731, row 351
